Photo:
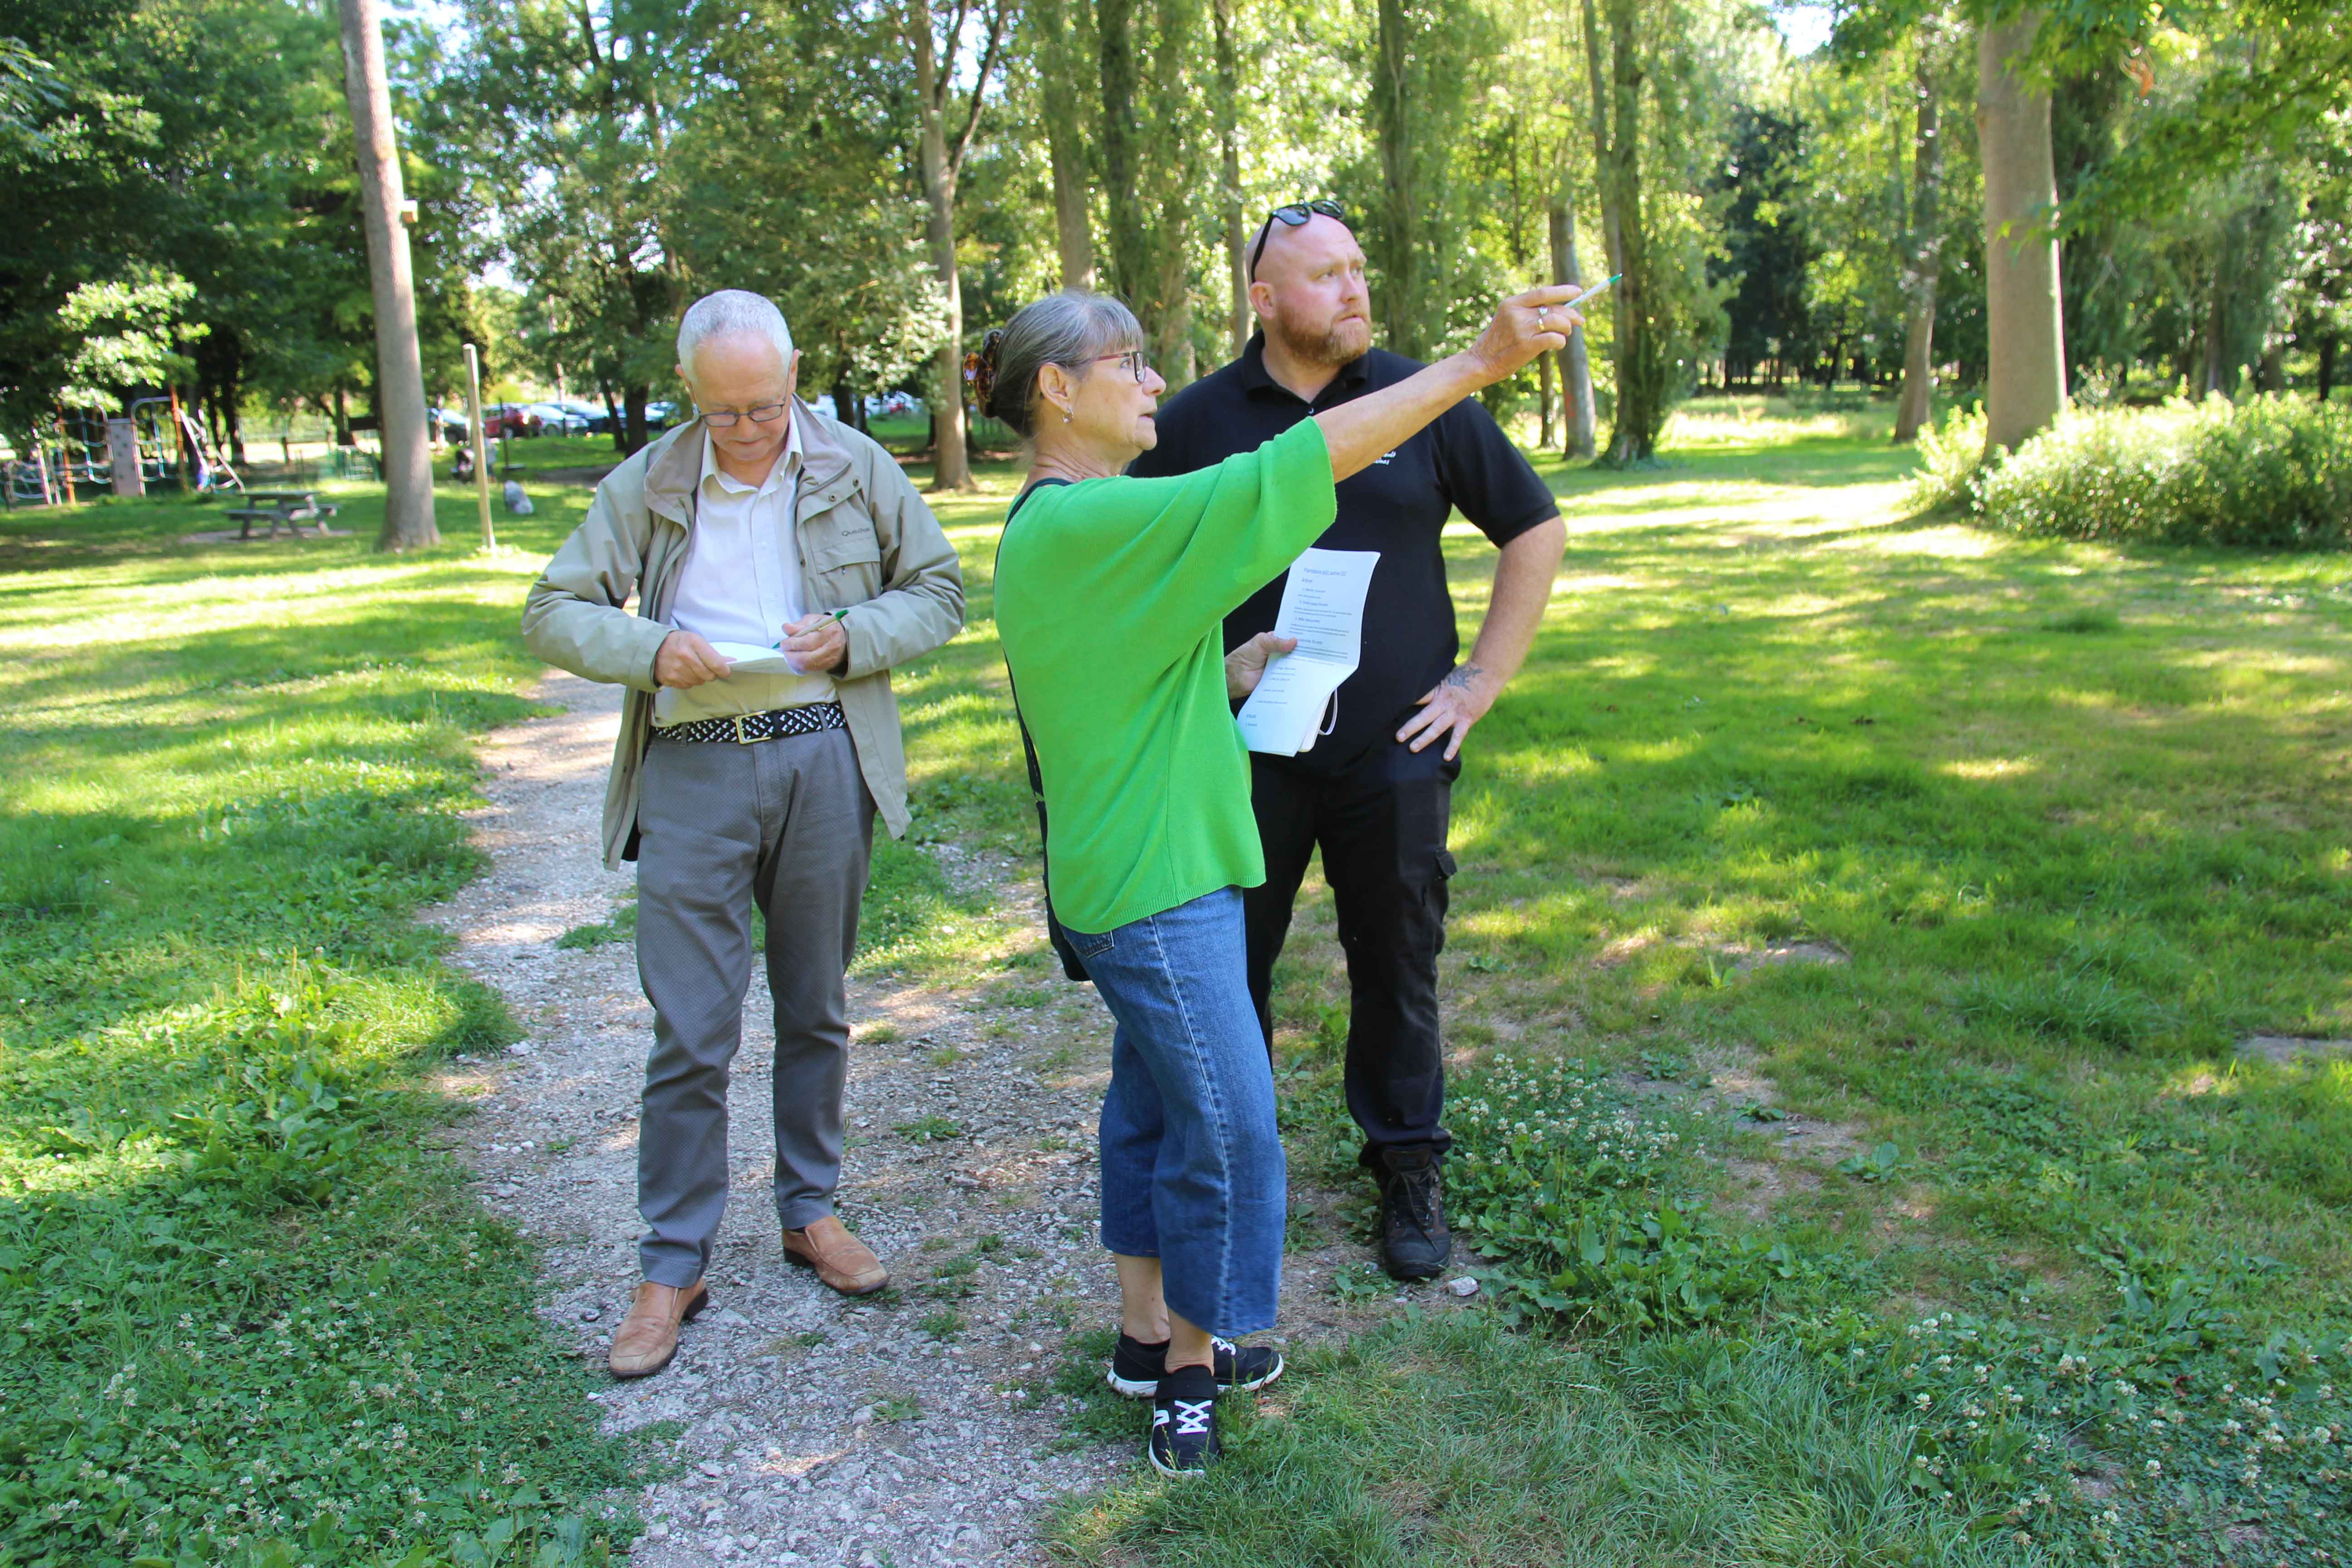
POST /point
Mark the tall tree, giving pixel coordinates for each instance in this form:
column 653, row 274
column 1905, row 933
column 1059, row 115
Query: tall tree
column 1058, row 35
column 1151, row 116
column 1430, row 64
column 941, row 155
column 1923, row 244
column 400, row 373
column 2026, row 376
column 1238, row 315
column 1642, row 372
column 1577, row 420
column 798, row 187
column 565, row 118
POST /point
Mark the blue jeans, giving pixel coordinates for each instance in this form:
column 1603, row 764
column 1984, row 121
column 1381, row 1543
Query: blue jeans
column 1193, row 1170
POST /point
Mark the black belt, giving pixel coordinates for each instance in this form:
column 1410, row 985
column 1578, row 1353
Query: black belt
column 812, row 719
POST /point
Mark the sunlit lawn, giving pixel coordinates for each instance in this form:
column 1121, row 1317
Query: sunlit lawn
column 1989, row 851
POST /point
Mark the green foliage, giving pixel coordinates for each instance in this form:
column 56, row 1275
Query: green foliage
column 621, row 927
column 2156, row 1438
column 929, row 1130
column 1951, row 461
column 2272, row 473
column 126, row 332
column 1582, row 1194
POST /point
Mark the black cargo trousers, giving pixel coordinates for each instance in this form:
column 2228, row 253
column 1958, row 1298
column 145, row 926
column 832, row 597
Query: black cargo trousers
column 1381, row 822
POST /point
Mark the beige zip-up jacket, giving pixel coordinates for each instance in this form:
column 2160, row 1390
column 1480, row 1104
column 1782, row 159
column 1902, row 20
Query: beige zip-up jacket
column 867, row 542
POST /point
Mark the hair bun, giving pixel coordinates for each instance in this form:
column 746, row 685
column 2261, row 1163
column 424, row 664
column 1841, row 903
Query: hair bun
column 979, row 369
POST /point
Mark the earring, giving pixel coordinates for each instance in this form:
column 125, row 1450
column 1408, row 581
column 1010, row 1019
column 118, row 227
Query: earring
column 1065, row 416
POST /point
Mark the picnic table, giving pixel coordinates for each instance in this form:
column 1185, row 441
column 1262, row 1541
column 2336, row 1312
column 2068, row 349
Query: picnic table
column 283, row 508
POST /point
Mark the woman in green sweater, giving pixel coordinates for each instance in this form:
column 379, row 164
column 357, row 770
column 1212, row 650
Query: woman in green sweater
column 1111, row 594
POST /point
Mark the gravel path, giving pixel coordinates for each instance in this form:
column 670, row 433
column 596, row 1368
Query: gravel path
column 814, row 1429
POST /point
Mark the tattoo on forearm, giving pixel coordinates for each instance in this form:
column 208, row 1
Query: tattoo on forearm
column 1462, row 679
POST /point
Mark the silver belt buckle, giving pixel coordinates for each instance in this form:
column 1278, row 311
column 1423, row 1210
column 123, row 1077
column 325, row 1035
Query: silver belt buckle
column 743, row 740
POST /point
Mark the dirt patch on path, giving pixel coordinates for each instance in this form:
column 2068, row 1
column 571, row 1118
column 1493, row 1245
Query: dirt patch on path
column 814, row 1429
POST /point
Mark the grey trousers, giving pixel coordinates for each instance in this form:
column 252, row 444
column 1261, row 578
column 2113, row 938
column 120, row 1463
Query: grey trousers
column 787, row 823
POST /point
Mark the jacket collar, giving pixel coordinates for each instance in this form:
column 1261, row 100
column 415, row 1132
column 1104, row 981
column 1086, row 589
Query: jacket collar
column 674, row 465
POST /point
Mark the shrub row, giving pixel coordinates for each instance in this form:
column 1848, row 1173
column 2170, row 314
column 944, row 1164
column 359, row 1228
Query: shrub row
column 2272, row 473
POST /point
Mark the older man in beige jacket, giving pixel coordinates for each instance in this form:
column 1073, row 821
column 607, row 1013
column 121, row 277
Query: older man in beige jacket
column 781, row 564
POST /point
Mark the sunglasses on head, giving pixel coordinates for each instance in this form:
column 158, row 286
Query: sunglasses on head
column 1292, row 215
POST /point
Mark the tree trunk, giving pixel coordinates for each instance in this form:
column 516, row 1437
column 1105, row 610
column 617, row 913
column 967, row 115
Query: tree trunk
column 400, row 371
column 1575, row 368
column 1924, row 257
column 951, row 468
column 616, row 422
column 1238, row 315
column 1641, row 373
column 1543, row 401
column 2270, row 371
column 2327, row 365
column 1060, row 51
column 1130, row 252
column 1397, row 256
column 343, row 419
column 2025, row 379
column 635, row 396
column 1597, row 82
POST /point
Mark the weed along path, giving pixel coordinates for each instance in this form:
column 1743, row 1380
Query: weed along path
column 905, row 1430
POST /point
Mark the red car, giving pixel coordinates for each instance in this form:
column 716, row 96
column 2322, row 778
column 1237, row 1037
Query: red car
column 509, row 419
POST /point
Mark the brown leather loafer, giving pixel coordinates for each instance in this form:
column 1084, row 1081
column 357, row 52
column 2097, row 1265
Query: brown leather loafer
column 840, row 1259
column 647, row 1338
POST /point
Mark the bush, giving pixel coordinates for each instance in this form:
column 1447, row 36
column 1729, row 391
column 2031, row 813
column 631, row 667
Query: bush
column 2271, row 474
column 1951, row 458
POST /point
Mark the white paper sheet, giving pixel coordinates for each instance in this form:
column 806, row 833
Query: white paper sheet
column 1323, row 607
column 752, row 659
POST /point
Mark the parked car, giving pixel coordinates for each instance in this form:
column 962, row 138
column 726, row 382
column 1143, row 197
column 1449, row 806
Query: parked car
column 560, row 419
column 509, row 419
column 661, row 414
column 450, row 421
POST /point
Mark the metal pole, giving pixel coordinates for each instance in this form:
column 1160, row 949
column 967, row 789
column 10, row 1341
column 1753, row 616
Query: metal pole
column 473, row 434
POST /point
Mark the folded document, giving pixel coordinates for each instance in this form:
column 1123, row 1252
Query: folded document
column 1323, row 607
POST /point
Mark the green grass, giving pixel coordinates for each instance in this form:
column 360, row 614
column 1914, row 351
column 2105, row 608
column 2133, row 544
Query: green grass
column 2068, row 820
column 245, row 1300
column 1441, row 1441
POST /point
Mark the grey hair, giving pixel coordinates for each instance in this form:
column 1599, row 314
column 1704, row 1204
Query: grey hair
column 730, row 311
column 1068, row 329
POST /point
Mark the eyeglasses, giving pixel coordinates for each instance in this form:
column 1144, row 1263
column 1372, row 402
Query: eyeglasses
column 1133, row 359
column 1292, row 215
column 724, row 418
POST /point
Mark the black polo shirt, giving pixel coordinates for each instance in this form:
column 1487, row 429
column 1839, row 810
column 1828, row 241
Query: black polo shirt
column 1399, row 506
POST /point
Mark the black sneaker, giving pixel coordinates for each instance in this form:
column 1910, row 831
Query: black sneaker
column 1415, row 1242
column 1135, row 1366
column 1183, row 1422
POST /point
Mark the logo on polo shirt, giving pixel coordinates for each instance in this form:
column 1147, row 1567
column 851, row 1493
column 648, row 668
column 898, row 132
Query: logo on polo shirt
column 1383, row 460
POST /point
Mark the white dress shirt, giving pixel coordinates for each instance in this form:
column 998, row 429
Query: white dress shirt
column 741, row 583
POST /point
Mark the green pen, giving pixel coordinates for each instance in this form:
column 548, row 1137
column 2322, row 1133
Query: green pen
column 841, row 615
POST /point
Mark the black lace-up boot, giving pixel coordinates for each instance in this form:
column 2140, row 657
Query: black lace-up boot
column 1415, row 1242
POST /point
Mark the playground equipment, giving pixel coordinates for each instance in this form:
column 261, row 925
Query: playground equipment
column 73, row 460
